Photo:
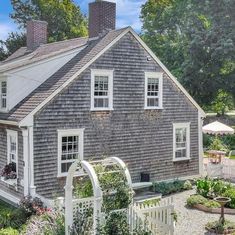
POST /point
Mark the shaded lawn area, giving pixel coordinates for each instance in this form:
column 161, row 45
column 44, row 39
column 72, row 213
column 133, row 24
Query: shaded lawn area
column 5, row 206
column 232, row 157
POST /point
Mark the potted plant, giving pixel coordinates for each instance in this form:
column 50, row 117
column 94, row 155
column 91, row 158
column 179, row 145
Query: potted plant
column 9, row 171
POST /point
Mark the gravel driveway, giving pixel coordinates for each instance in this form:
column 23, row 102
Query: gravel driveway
column 192, row 221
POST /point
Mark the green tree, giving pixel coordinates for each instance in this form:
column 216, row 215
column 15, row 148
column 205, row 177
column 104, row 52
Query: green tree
column 11, row 44
column 196, row 42
column 64, row 17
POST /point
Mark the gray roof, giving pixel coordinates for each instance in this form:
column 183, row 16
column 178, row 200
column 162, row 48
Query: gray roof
column 26, row 106
column 46, row 49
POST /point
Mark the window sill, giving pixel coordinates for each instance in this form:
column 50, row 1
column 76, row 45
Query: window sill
column 77, row 174
column 153, row 108
column 181, row 159
column 101, row 110
column 12, row 182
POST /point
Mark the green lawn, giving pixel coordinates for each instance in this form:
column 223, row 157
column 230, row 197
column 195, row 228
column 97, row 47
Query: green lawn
column 232, row 157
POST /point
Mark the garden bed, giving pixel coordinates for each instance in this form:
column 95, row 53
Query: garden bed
column 214, row 210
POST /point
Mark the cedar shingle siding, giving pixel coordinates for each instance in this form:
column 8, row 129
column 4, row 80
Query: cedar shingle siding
column 142, row 138
column 3, row 161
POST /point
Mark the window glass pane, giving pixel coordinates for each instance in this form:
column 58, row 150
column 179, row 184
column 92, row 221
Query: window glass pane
column 180, row 153
column 101, row 103
column 181, row 142
column 3, row 94
column 152, row 102
column 101, row 92
column 70, row 150
column 12, row 149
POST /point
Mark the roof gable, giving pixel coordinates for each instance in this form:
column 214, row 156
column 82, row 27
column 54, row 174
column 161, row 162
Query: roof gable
column 23, row 112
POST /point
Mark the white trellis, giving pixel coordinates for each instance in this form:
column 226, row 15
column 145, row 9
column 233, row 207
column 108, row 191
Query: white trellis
column 73, row 205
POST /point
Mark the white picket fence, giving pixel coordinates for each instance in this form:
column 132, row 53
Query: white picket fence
column 225, row 169
column 150, row 215
column 157, row 218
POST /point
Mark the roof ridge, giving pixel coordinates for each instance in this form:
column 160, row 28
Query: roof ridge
column 66, row 40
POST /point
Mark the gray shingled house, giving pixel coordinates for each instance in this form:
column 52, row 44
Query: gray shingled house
column 86, row 98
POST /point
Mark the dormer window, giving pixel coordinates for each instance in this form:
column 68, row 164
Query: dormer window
column 3, row 95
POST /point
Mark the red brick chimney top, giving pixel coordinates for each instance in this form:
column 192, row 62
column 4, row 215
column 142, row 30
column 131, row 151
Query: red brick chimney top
column 102, row 17
column 36, row 34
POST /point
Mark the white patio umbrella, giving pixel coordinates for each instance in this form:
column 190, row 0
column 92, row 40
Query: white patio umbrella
column 217, row 128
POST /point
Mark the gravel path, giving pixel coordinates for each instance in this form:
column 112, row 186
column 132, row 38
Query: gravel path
column 192, row 221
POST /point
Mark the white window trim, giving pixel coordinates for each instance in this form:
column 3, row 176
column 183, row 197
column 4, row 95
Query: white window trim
column 15, row 134
column 182, row 125
column 69, row 132
column 3, row 79
column 100, row 72
column 158, row 75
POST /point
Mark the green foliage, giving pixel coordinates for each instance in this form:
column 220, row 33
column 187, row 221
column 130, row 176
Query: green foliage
column 222, row 103
column 116, row 224
column 187, row 185
column 220, row 228
column 64, row 18
column 11, row 216
column 9, row 231
column 199, row 199
column 218, row 145
column 184, row 35
column 212, row 204
column 11, row 44
column 82, row 223
column 166, row 188
column 196, row 199
column 65, row 21
column 116, row 192
column 230, row 193
column 83, row 187
column 211, row 187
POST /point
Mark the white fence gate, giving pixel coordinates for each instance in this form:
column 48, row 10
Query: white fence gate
column 225, row 169
column 158, row 218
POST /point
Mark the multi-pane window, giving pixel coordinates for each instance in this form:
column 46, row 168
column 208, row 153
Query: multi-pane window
column 70, row 148
column 12, row 143
column 3, row 94
column 101, row 89
column 181, row 141
column 153, row 90
column 101, row 97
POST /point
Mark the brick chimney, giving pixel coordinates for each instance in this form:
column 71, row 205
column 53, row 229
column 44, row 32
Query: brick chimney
column 36, row 34
column 102, row 17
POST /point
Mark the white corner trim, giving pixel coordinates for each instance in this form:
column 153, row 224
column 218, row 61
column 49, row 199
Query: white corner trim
column 109, row 74
column 69, row 132
column 9, row 197
column 159, row 76
column 22, row 122
column 182, row 125
column 200, row 144
column 167, row 72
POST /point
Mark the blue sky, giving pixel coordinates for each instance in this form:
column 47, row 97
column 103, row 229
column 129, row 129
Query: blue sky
column 128, row 12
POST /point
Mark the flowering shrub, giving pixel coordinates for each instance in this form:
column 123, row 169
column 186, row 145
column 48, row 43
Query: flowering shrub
column 33, row 206
column 9, row 171
column 51, row 222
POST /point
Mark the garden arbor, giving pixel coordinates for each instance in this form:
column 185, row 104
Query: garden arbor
column 88, row 168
